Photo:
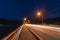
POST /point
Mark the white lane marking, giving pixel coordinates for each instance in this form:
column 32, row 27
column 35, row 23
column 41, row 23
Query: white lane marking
column 36, row 34
column 57, row 37
column 48, row 27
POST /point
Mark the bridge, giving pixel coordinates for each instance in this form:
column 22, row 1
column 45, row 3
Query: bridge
column 34, row 32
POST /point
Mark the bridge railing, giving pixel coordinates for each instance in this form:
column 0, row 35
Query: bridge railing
column 13, row 35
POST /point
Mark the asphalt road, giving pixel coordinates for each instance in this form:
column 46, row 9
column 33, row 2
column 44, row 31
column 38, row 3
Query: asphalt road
column 39, row 32
column 26, row 34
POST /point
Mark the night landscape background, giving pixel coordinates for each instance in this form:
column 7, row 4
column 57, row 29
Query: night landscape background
column 12, row 13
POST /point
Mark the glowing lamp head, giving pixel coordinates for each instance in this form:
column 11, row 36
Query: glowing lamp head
column 38, row 14
column 25, row 19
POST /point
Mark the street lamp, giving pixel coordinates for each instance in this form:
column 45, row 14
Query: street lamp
column 40, row 14
column 24, row 20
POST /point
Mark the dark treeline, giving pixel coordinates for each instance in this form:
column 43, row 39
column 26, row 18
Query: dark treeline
column 10, row 22
column 47, row 21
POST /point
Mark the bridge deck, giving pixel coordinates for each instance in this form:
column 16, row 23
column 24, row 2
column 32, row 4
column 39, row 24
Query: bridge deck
column 26, row 34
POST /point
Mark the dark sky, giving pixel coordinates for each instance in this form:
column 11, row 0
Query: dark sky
column 17, row 9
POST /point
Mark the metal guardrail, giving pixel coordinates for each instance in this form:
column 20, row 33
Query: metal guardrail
column 14, row 35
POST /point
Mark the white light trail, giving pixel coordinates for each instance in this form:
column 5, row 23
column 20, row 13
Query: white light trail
column 42, row 26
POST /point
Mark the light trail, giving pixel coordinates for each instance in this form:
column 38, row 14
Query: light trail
column 42, row 26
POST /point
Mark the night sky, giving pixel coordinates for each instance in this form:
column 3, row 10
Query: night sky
column 17, row 9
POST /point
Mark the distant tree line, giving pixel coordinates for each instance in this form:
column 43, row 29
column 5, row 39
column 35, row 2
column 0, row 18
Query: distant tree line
column 47, row 21
column 12, row 22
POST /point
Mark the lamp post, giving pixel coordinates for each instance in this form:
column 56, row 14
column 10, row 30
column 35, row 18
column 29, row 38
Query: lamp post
column 24, row 20
column 42, row 18
column 40, row 14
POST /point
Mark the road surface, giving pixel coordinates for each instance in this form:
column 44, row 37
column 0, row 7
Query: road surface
column 39, row 32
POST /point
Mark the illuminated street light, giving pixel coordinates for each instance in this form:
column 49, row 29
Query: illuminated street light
column 28, row 21
column 40, row 14
column 25, row 19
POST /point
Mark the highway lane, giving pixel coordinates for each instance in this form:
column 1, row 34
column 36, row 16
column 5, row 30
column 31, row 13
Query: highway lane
column 46, row 33
column 26, row 34
column 39, row 32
